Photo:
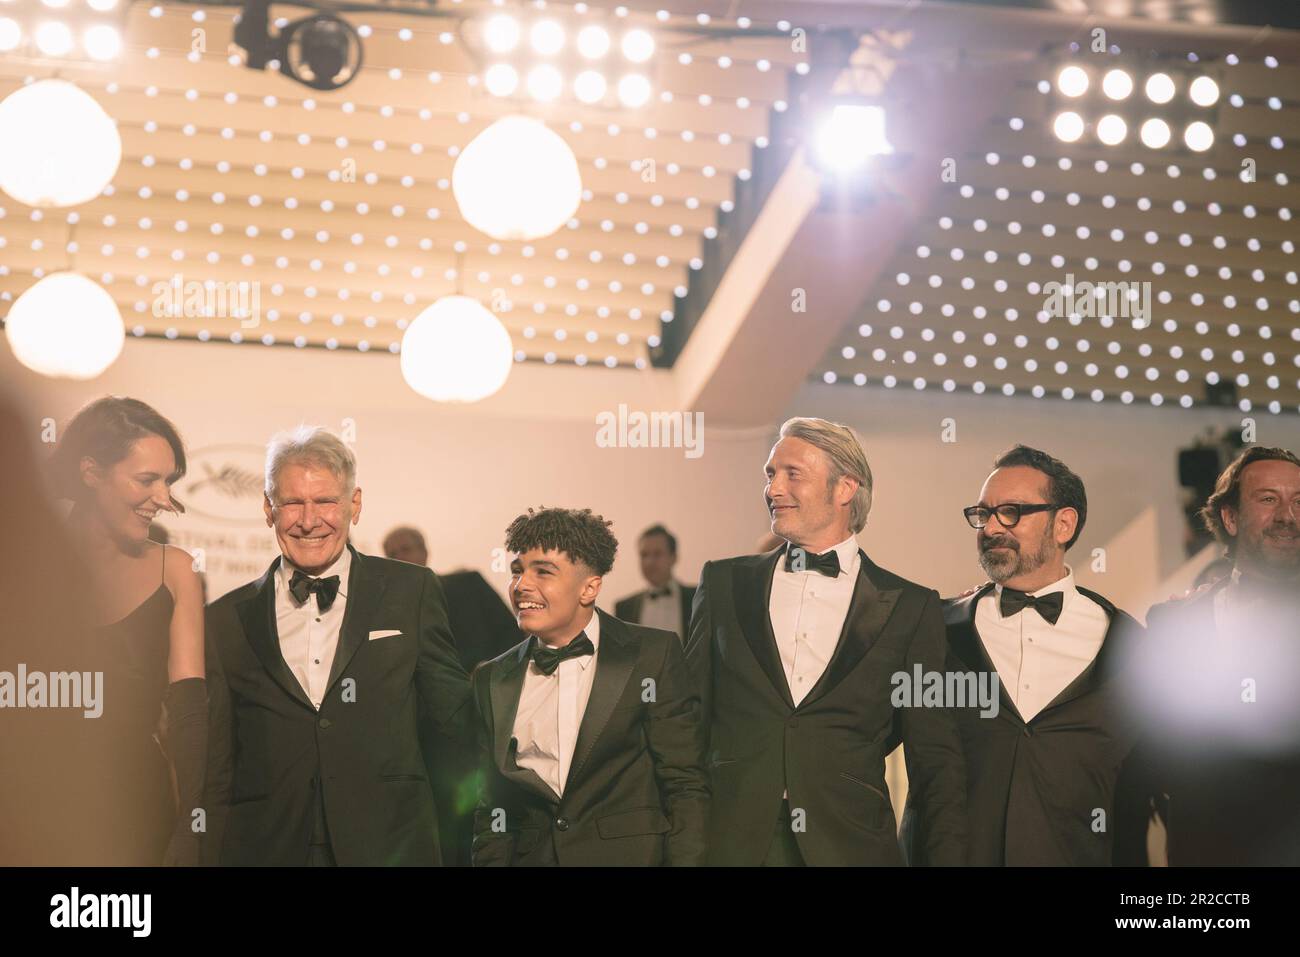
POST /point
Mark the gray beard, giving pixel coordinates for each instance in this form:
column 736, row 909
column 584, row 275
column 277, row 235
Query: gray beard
column 1002, row 570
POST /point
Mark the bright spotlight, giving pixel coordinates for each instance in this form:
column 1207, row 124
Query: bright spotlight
column 1117, row 84
column 501, row 33
column 1198, row 136
column 1068, row 126
column 544, row 83
column 1160, row 88
column 852, row 132
column 1111, row 129
column 53, row 38
column 1155, row 133
column 1072, row 81
column 1204, row 91
column 589, row 86
column 11, row 34
column 547, row 37
column 638, row 46
column 102, row 42
column 593, row 42
column 634, row 90
column 501, row 79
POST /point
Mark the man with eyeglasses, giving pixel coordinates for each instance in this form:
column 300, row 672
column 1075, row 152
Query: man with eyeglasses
column 324, row 675
column 1042, row 770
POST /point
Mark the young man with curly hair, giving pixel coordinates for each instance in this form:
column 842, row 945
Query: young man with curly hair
column 592, row 745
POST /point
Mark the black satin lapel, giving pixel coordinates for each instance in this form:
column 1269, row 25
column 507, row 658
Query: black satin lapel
column 257, row 615
column 752, row 587
column 617, row 657
column 869, row 611
column 1098, row 669
column 964, row 639
column 504, row 689
column 365, row 589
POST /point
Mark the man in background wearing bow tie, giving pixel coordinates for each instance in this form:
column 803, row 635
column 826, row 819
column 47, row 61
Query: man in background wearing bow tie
column 593, row 751
column 793, row 652
column 1041, row 770
column 667, row 602
column 323, row 676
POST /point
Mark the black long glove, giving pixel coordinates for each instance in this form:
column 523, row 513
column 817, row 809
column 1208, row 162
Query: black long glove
column 186, row 744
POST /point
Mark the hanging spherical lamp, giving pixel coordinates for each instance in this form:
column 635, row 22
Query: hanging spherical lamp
column 456, row 351
column 60, row 147
column 517, row 180
column 66, row 326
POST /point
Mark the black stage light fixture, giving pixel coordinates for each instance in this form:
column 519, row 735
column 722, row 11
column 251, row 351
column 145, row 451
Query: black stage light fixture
column 322, row 51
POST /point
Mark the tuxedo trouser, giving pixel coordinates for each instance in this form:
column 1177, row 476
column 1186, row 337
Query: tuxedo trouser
column 784, row 848
column 320, row 854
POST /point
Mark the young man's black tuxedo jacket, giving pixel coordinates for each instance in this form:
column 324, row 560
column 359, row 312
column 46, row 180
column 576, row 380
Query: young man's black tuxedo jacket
column 1034, row 788
column 829, row 751
column 270, row 750
column 1231, row 803
column 629, row 609
column 637, row 792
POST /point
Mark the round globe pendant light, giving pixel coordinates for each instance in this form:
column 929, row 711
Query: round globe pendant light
column 456, row 351
column 66, row 326
column 517, row 180
column 61, row 148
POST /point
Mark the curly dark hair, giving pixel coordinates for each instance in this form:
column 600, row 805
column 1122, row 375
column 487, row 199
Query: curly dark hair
column 1064, row 488
column 1227, row 491
column 582, row 535
column 105, row 430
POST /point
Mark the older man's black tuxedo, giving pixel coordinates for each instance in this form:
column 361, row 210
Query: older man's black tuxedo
column 637, row 791
column 828, row 752
column 1043, row 792
column 273, row 757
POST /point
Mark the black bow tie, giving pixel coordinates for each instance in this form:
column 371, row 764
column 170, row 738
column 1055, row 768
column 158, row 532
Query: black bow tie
column 659, row 592
column 1049, row 605
column 548, row 659
column 801, row 560
column 326, row 589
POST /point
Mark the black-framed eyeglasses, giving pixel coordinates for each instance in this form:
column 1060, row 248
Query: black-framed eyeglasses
column 1008, row 515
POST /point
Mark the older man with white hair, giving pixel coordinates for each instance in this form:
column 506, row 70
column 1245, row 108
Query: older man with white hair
column 323, row 676
column 796, row 654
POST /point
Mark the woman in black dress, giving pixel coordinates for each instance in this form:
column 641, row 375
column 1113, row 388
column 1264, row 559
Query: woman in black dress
column 117, row 461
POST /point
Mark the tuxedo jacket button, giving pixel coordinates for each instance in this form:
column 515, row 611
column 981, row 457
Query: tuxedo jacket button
column 324, row 722
column 562, row 823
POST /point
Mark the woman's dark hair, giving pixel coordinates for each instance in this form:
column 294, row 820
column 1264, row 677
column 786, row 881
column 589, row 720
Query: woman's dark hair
column 1227, row 491
column 582, row 535
column 1064, row 488
column 105, row 430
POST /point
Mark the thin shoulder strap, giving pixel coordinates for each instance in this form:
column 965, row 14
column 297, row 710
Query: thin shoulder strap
column 164, row 564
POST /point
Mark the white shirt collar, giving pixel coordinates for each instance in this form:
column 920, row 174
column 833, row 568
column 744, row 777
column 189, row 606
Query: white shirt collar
column 674, row 590
column 342, row 567
column 592, row 631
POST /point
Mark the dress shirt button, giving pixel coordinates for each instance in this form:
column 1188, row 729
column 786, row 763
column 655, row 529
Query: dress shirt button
column 318, row 619
column 317, row 660
column 324, row 722
column 562, row 823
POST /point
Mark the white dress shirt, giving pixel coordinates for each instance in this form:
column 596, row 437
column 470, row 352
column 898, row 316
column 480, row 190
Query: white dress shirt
column 550, row 712
column 1037, row 661
column 808, row 611
column 309, row 637
column 664, row 611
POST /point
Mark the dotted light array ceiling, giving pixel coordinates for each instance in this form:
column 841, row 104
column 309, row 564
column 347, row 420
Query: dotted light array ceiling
column 338, row 205
column 966, row 303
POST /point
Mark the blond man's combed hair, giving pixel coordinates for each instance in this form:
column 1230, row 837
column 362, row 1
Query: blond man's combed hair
column 311, row 444
column 842, row 448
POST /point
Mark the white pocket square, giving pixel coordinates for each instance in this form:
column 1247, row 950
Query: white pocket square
column 388, row 633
